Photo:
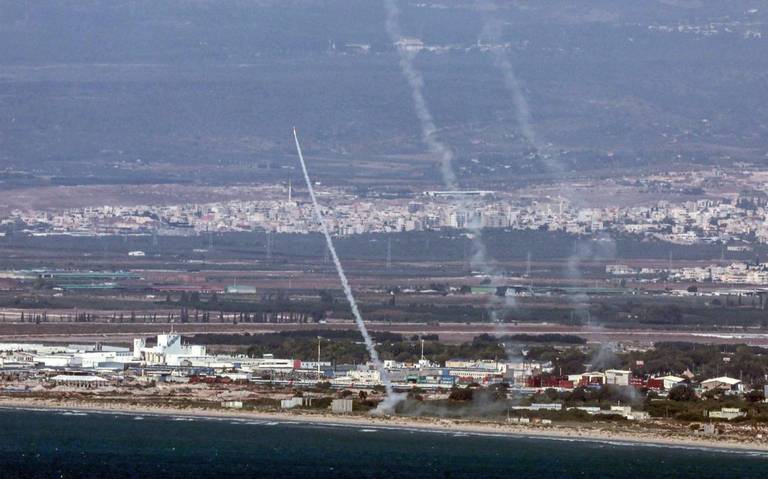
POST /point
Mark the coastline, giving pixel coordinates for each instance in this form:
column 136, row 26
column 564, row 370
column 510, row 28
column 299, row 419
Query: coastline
column 555, row 431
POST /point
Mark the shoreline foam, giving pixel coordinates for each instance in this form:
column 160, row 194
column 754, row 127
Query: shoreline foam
column 562, row 432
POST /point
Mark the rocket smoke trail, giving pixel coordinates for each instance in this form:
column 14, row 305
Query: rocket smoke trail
column 435, row 146
column 392, row 398
column 416, row 82
column 491, row 35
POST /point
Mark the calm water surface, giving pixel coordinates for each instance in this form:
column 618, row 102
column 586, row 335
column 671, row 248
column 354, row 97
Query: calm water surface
column 73, row 445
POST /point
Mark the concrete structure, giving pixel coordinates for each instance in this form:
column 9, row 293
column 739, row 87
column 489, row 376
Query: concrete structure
column 168, row 351
column 555, row 406
column 341, row 406
column 411, row 45
column 670, row 381
column 519, row 420
column 268, row 362
column 240, row 289
column 30, row 347
column 623, row 411
column 617, row 377
column 58, row 361
column 723, row 383
column 296, row 401
column 360, row 377
column 588, row 378
column 626, row 412
column 587, row 409
column 79, row 381
column 726, row 413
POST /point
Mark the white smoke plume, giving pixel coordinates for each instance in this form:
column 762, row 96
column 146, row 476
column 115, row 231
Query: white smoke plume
column 392, row 399
column 491, row 38
column 415, row 80
column 491, row 34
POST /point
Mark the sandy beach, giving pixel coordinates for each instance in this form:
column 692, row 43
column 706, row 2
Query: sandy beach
column 582, row 432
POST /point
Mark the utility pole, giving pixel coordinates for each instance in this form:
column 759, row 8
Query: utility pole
column 319, row 338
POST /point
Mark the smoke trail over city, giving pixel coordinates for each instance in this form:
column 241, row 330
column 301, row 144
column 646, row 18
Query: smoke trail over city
column 479, row 258
column 388, row 405
column 491, row 34
column 491, row 38
column 416, row 82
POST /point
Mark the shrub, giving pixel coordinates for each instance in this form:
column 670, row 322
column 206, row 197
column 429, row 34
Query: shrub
column 461, row 394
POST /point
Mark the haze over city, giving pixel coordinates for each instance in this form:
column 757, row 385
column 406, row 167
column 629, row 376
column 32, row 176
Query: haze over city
column 314, row 238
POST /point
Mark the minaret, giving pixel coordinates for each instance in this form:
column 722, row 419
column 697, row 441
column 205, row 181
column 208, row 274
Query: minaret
column 290, row 191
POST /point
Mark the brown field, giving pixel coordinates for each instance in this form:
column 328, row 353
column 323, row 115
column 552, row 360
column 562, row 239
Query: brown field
column 62, row 197
column 448, row 332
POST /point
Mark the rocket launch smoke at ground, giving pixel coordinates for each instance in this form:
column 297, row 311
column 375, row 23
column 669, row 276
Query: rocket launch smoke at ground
column 392, row 398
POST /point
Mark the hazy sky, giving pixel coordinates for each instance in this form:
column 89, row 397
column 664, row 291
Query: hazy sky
column 96, row 82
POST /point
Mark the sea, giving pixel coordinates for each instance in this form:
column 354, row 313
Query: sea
column 74, row 444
